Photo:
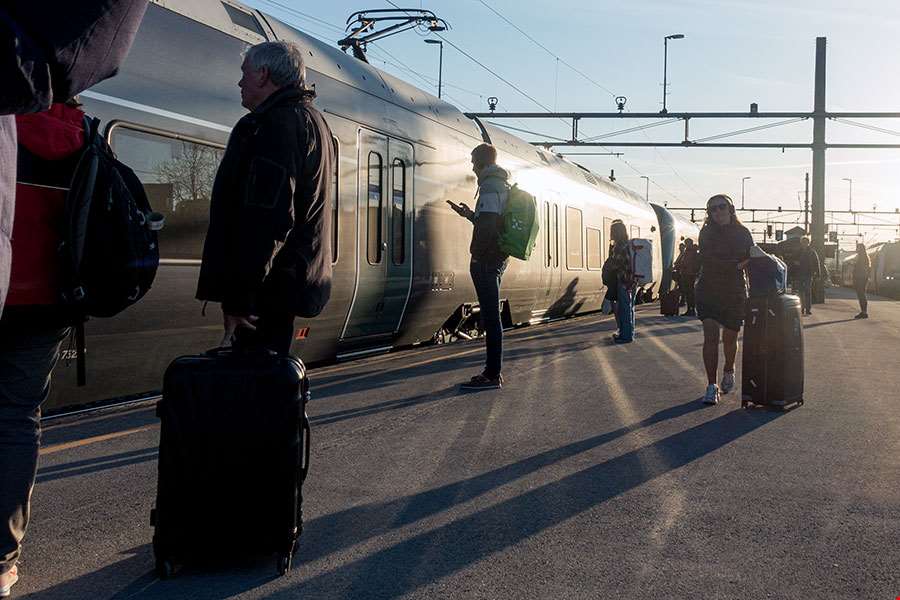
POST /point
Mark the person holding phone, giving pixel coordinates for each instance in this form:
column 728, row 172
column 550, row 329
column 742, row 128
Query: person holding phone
column 721, row 289
column 488, row 262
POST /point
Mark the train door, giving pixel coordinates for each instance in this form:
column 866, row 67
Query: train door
column 550, row 241
column 384, row 236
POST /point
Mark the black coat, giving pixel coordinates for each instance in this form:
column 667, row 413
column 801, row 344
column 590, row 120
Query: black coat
column 272, row 193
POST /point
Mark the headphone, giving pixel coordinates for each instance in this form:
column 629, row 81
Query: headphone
column 727, row 199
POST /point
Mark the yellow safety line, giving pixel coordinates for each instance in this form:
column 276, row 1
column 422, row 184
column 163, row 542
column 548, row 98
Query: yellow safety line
column 93, row 440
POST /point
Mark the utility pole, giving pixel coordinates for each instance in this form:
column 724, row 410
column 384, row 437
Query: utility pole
column 743, row 179
column 675, row 36
column 806, row 207
column 440, row 62
column 851, row 192
column 817, row 230
column 647, row 193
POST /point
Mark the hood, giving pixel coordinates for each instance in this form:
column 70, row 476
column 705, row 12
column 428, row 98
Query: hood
column 53, row 134
column 493, row 171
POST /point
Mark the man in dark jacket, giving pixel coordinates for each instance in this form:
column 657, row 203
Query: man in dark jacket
column 488, row 261
column 267, row 255
column 688, row 266
column 50, row 56
column 806, row 270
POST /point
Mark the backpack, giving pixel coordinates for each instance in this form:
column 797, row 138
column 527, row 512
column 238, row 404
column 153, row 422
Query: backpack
column 520, row 224
column 109, row 251
column 767, row 274
column 641, row 261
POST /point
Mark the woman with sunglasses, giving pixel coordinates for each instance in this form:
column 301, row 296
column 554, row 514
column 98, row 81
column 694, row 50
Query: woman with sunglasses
column 721, row 290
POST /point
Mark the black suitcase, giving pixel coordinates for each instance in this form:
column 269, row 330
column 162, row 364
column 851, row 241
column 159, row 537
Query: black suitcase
column 233, row 455
column 668, row 303
column 772, row 365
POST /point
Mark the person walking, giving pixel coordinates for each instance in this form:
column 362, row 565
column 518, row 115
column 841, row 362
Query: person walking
column 267, row 256
column 805, row 273
column 488, row 262
column 861, row 271
column 688, row 266
column 721, row 289
column 621, row 269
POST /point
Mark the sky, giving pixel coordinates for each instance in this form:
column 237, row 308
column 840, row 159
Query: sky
column 584, row 53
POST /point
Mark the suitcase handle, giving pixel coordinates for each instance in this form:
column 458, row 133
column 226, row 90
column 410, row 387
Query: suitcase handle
column 239, row 351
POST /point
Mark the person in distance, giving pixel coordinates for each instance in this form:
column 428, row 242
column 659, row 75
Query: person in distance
column 688, row 266
column 721, row 289
column 488, row 262
column 861, row 270
column 267, row 256
column 806, row 271
column 618, row 269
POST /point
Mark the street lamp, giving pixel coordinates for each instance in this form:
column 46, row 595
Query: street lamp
column 440, row 61
column 647, row 193
column 851, row 192
column 742, row 190
column 674, row 36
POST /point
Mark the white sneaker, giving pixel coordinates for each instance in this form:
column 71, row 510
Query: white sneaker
column 712, row 394
column 727, row 381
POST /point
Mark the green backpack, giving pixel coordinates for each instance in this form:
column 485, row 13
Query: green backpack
column 520, row 224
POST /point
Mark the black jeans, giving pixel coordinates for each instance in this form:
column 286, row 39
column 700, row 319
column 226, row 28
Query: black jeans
column 861, row 296
column 804, row 286
column 27, row 358
column 486, row 278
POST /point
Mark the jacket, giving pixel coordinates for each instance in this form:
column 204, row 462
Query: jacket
column 268, row 246
column 493, row 191
column 807, row 265
column 50, row 144
column 618, row 266
column 688, row 264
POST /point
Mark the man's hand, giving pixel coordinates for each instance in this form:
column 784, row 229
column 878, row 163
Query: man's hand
column 462, row 209
column 232, row 322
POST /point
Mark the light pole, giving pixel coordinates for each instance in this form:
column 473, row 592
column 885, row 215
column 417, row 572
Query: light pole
column 851, row 192
column 743, row 179
column 647, row 193
column 440, row 62
column 674, row 36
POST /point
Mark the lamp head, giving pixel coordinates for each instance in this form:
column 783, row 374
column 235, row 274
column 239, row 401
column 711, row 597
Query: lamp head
column 675, row 36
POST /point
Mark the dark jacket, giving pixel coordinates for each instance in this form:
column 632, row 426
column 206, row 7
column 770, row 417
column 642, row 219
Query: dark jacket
column 861, row 270
column 47, row 55
column 688, row 264
column 807, row 266
column 272, row 192
column 722, row 247
column 618, row 266
column 493, row 192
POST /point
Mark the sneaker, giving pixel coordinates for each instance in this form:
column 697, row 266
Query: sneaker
column 727, row 381
column 481, row 382
column 9, row 579
column 712, row 394
column 862, row 315
column 618, row 339
column 690, row 313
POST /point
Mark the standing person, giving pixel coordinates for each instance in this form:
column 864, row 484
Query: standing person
column 620, row 265
column 721, row 289
column 488, row 262
column 806, row 271
column 861, row 271
column 688, row 267
column 34, row 324
column 272, row 190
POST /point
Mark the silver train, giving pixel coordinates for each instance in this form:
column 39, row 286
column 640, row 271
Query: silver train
column 884, row 277
column 401, row 255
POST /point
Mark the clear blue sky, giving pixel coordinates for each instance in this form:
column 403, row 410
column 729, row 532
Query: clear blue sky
column 735, row 52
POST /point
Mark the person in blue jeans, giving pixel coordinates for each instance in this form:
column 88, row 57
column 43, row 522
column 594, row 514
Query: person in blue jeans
column 620, row 265
column 488, row 262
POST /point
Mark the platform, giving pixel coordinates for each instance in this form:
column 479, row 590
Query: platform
column 595, row 473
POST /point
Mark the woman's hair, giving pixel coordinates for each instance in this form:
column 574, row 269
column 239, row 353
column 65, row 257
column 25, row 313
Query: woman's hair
column 617, row 232
column 863, row 255
column 717, row 198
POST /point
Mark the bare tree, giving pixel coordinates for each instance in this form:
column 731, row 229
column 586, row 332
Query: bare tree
column 191, row 174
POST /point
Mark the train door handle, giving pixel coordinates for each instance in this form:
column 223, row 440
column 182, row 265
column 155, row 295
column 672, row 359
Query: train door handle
column 384, row 245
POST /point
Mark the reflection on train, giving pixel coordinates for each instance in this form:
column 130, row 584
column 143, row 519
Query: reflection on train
column 401, row 256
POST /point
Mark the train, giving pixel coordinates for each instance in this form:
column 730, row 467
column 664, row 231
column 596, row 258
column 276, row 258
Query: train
column 884, row 276
column 400, row 253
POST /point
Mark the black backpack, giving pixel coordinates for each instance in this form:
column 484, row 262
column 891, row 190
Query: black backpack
column 109, row 251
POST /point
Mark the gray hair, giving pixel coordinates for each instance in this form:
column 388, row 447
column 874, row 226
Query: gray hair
column 283, row 60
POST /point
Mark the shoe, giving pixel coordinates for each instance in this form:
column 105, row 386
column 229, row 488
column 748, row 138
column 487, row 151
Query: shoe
column 12, row 576
column 620, row 340
column 482, row 382
column 690, row 313
column 712, row 394
column 862, row 315
column 727, row 381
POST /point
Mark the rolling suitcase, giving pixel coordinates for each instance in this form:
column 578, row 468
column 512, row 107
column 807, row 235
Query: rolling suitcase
column 233, row 455
column 668, row 303
column 772, row 365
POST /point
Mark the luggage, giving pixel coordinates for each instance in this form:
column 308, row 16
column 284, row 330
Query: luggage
column 772, row 366
column 520, row 224
column 642, row 261
column 233, row 455
column 768, row 275
column 669, row 302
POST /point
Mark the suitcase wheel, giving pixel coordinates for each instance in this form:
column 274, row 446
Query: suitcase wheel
column 284, row 564
column 164, row 568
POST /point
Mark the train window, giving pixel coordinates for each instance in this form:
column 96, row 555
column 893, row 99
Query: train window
column 548, row 251
column 335, row 201
column 574, row 241
column 398, row 212
column 594, row 249
column 374, row 209
column 243, row 19
column 178, row 176
column 635, row 232
column 556, row 235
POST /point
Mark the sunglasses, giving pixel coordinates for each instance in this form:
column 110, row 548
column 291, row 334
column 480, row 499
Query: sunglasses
column 716, row 207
